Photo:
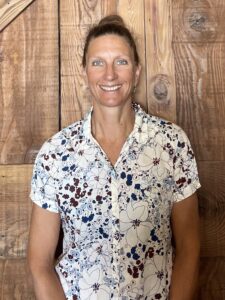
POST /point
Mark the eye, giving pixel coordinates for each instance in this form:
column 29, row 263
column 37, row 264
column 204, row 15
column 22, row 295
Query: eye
column 97, row 62
column 122, row 61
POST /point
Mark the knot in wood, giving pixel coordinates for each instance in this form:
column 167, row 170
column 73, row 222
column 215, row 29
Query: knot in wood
column 160, row 90
column 201, row 24
column 197, row 21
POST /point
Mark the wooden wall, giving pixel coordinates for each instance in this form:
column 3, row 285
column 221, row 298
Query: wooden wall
column 182, row 48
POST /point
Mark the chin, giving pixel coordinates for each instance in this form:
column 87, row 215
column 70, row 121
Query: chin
column 113, row 102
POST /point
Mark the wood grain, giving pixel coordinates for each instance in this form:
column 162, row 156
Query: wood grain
column 80, row 13
column 75, row 19
column 14, row 229
column 133, row 14
column 189, row 34
column 213, row 234
column 212, row 208
column 75, row 97
column 161, row 92
column 10, row 9
column 200, row 85
column 211, row 279
column 198, row 44
column 109, row 7
column 15, row 183
column 28, row 83
column 198, row 21
column 15, row 209
column 15, row 280
column 212, row 193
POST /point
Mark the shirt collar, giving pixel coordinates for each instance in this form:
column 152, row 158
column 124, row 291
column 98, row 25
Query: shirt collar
column 135, row 134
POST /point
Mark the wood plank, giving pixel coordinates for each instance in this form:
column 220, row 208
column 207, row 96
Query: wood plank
column 211, row 294
column 211, row 279
column 199, row 21
column 212, row 208
column 15, row 280
column 108, row 7
column 14, row 218
column 213, row 234
column 76, row 17
column 212, row 193
column 9, row 10
column 133, row 13
column 15, row 183
column 200, row 85
column 161, row 92
column 15, row 209
column 28, row 82
column 74, row 96
column 79, row 13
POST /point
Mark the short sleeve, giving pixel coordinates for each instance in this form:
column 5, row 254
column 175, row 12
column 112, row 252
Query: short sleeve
column 186, row 179
column 43, row 184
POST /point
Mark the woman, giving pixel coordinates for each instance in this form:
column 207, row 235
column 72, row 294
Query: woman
column 121, row 183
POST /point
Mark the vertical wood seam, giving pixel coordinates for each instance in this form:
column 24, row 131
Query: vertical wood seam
column 145, row 43
column 59, row 68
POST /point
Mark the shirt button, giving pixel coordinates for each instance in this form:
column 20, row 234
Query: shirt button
column 113, row 173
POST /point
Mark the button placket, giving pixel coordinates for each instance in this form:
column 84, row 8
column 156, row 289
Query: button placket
column 115, row 235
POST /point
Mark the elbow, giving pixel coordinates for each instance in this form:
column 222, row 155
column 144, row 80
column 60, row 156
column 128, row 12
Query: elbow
column 33, row 269
column 37, row 268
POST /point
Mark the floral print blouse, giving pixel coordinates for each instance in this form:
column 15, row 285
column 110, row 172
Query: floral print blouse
column 116, row 219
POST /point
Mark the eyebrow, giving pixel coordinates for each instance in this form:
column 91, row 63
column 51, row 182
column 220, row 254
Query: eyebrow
column 118, row 56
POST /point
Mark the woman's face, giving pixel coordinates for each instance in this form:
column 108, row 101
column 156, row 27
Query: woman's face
column 111, row 72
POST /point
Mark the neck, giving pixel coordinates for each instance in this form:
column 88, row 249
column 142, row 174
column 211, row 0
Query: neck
column 112, row 123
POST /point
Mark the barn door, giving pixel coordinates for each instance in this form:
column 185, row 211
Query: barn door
column 182, row 46
column 29, row 101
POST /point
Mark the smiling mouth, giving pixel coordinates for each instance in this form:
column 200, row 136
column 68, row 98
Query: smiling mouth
column 111, row 88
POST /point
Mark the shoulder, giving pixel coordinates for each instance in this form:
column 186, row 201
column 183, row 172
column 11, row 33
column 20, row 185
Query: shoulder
column 163, row 130
column 61, row 143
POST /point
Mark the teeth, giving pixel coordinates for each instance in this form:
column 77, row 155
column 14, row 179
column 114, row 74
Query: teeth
column 110, row 88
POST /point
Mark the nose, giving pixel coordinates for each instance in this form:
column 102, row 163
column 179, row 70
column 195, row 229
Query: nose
column 110, row 72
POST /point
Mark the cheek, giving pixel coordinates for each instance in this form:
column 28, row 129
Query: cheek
column 89, row 76
column 131, row 79
column 127, row 75
column 93, row 76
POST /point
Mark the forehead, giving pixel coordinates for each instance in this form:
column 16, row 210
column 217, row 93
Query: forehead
column 109, row 43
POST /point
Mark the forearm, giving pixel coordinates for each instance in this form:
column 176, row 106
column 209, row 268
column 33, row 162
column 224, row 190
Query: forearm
column 184, row 277
column 47, row 285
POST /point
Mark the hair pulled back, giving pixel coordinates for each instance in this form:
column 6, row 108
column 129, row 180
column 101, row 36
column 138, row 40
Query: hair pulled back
column 112, row 24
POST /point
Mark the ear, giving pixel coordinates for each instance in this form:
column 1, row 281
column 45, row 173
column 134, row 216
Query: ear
column 137, row 74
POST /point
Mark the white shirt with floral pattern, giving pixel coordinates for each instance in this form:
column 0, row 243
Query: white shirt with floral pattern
column 116, row 219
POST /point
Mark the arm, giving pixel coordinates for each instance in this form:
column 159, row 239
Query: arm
column 43, row 239
column 185, row 226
